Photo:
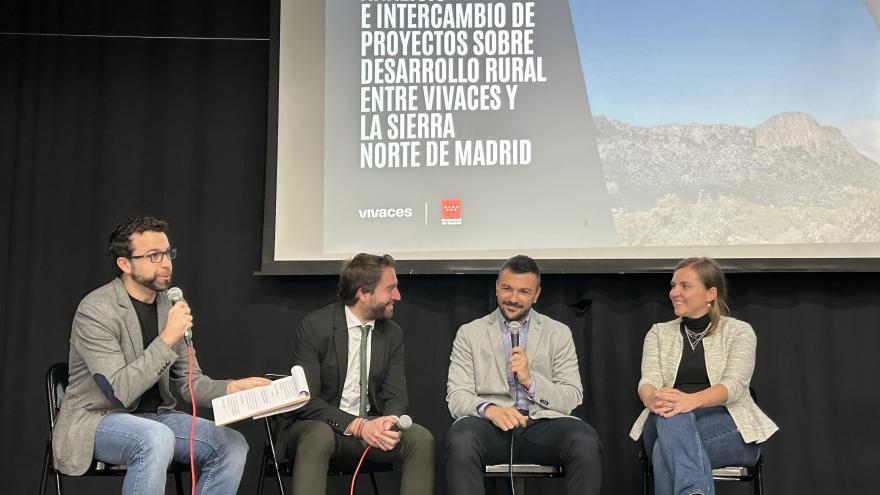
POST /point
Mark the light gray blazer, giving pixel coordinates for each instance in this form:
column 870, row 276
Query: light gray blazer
column 478, row 368
column 110, row 370
column 730, row 361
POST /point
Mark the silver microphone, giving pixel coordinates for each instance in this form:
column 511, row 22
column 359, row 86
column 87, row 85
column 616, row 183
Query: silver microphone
column 175, row 295
column 514, row 328
column 403, row 422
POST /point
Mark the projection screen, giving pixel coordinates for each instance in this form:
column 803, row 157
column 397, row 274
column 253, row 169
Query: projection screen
column 594, row 136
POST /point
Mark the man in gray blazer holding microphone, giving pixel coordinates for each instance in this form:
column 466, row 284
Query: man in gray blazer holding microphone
column 126, row 352
column 497, row 389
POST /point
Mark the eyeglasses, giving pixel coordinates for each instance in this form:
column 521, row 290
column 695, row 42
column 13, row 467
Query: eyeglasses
column 157, row 257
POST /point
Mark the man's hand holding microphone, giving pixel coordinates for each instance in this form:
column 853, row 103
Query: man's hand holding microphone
column 179, row 326
column 508, row 418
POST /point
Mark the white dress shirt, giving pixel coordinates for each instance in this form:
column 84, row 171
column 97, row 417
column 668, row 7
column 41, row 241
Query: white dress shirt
column 351, row 391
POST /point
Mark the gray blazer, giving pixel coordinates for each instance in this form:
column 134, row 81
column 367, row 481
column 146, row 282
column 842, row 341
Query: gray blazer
column 730, row 360
column 110, row 370
column 478, row 368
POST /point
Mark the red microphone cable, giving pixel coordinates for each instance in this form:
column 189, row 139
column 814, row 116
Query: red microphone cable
column 403, row 423
column 192, row 432
column 354, row 476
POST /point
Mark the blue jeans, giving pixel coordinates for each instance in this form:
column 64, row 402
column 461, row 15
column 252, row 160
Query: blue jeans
column 686, row 447
column 147, row 443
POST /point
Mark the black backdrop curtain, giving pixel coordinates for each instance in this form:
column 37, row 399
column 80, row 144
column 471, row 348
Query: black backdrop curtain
column 93, row 129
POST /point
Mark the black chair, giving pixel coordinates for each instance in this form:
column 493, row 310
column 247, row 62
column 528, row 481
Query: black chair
column 271, row 468
column 56, row 384
column 753, row 474
column 522, row 471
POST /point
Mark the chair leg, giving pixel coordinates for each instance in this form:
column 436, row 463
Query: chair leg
column 759, row 480
column 47, row 468
column 178, row 483
column 270, row 445
column 280, row 481
column 373, row 482
column 58, row 490
column 262, row 477
column 647, row 480
column 45, row 476
column 502, row 485
column 647, row 471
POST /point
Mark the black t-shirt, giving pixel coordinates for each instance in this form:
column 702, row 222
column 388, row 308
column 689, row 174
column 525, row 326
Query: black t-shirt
column 692, row 376
column 148, row 317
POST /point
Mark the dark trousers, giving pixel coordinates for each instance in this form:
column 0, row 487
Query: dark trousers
column 313, row 444
column 473, row 443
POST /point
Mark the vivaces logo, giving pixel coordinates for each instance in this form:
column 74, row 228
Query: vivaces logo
column 374, row 213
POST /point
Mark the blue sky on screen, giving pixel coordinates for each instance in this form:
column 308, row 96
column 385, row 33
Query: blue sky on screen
column 650, row 62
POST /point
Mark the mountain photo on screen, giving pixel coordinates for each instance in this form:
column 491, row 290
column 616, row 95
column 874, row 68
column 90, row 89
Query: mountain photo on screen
column 739, row 123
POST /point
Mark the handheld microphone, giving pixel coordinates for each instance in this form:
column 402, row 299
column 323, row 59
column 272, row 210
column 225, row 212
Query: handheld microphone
column 403, row 422
column 514, row 328
column 175, row 295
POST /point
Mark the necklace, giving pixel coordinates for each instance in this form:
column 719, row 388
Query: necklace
column 694, row 338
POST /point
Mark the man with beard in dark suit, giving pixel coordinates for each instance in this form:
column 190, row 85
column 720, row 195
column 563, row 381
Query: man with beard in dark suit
column 353, row 358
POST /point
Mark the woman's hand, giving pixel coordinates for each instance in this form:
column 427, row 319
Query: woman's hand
column 668, row 402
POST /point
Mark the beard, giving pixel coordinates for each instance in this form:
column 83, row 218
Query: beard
column 152, row 282
column 514, row 312
column 380, row 311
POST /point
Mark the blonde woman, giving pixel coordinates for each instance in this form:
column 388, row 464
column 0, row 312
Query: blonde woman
column 696, row 369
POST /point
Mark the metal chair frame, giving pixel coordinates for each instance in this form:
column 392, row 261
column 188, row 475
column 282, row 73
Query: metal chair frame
column 522, row 471
column 271, row 468
column 56, row 385
column 754, row 474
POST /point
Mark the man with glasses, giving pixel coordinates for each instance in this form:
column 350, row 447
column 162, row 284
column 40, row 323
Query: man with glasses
column 126, row 352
